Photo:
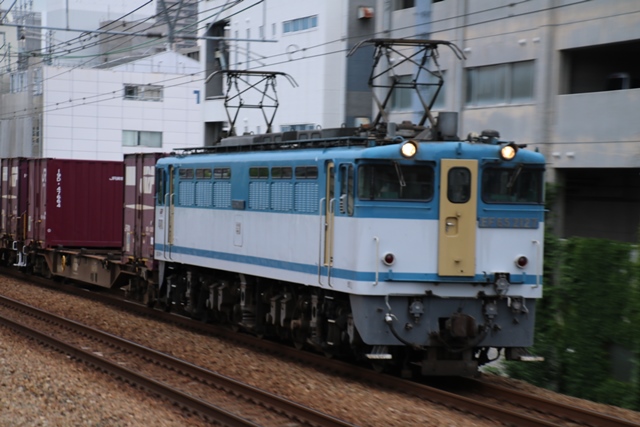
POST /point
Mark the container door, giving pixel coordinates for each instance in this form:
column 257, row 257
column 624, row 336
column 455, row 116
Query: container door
column 458, row 212
column 22, row 203
column 5, row 202
column 329, row 214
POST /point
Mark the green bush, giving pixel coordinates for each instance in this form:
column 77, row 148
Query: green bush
column 591, row 301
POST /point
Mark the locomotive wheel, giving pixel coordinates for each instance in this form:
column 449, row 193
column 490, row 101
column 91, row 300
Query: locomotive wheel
column 379, row 366
column 297, row 333
column 299, row 326
column 298, row 343
column 236, row 318
column 150, row 295
column 46, row 272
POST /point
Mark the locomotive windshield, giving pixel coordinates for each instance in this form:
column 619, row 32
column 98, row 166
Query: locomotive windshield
column 393, row 181
column 521, row 184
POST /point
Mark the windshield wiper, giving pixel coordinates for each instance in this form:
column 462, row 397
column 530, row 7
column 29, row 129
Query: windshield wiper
column 400, row 176
column 515, row 176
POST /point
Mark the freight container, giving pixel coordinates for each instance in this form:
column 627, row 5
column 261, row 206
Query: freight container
column 139, row 207
column 13, row 207
column 75, row 204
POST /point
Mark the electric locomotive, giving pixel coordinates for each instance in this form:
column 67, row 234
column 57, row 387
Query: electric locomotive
column 399, row 244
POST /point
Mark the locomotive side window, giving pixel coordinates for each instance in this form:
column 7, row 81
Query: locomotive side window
column 186, row 174
column 306, row 172
column 222, row 173
column 513, row 185
column 395, row 182
column 281, row 173
column 459, row 183
column 203, row 174
column 259, row 173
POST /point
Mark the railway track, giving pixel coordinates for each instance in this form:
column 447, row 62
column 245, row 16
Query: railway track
column 237, row 404
column 560, row 412
column 499, row 404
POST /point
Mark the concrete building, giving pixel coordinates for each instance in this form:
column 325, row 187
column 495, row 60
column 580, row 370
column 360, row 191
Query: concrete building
column 558, row 75
column 20, row 40
column 561, row 76
column 181, row 18
column 307, row 40
column 149, row 105
column 73, row 48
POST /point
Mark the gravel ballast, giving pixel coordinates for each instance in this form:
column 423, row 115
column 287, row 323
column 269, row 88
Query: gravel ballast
column 43, row 385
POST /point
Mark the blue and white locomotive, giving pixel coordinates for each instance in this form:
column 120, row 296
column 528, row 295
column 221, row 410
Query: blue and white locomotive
column 402, row 244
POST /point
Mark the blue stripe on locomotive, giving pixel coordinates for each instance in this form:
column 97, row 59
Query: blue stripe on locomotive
column 358, row 276
column 428, row 154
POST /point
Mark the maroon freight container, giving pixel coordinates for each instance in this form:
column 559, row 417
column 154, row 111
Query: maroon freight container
column 139, row 207
column 75, row 203
column 14, row 189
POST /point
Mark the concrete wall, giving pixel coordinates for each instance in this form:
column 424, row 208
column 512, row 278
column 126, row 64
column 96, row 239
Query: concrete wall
column 85, row 112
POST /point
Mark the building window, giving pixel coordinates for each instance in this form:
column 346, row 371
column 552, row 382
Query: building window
column 300, row 24
column 18, row 82
column 403, row 4
column 428, row 91
column 37, row 81
column 143, row 92
column 522, row 81
column 500, row 84
column 401, row 96
column 136, row 138
column 404, row 93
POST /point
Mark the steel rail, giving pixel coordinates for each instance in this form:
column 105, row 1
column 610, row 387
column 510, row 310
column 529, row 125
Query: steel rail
column 558, row 409
column 268, row 400
column 207, row 410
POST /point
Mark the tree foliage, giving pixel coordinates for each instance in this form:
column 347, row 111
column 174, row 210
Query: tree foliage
column 591, row 304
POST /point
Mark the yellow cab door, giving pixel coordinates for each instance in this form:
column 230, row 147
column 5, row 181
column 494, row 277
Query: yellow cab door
column 458, row 213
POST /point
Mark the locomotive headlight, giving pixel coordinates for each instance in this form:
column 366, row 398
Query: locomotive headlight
column 508, row 152
column 409, row 149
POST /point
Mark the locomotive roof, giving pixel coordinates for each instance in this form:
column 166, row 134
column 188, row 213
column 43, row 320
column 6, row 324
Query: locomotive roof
column 428, row 151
